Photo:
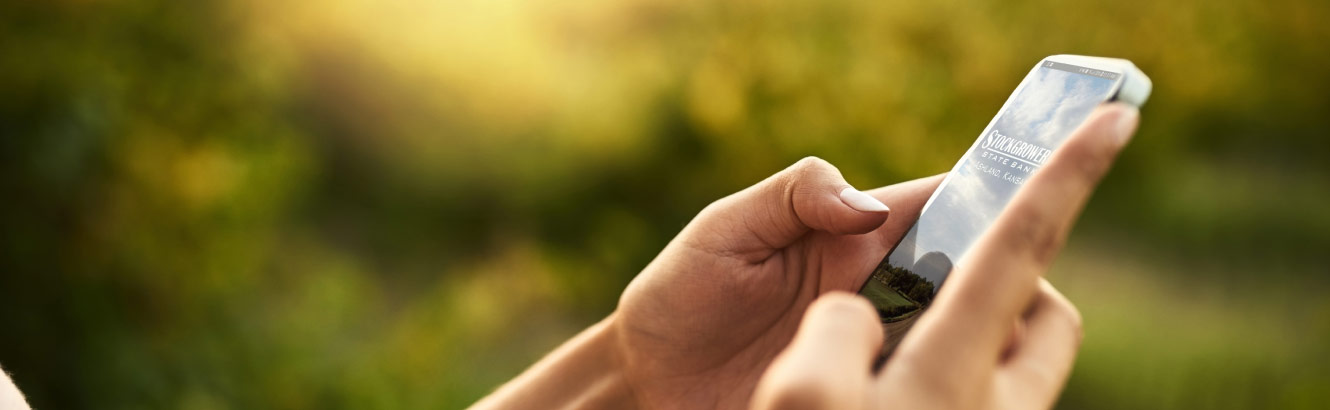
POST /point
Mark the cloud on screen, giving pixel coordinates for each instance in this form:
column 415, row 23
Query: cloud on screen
column 1050, row 106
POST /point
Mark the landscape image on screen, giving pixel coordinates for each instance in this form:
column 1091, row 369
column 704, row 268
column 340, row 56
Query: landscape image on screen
column 1053, row 102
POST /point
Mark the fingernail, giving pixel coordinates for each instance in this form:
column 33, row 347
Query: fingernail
column 1126, row 126
column 862, row 202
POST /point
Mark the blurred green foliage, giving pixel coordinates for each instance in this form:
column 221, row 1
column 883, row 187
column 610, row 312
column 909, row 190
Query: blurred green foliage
column 367, row 204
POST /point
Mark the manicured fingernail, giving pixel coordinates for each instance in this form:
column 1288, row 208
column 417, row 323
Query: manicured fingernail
column 862, row 202
column 1126, row 125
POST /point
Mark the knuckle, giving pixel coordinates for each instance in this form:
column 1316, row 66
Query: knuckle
column 1073, row 315
column 809, row 167
column 713, row 209
column 1090, row 158
column 1062, row 305
column 1037, row 232
column 1075, row 322
column 1065, row 312
column 811, row 163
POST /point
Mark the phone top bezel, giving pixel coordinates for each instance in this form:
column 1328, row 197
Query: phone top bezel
column 1132, row 87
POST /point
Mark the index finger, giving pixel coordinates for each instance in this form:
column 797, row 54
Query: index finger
column 999, row 275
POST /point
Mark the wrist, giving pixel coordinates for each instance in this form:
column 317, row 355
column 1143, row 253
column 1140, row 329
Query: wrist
column 585, row 372
column 606, row 385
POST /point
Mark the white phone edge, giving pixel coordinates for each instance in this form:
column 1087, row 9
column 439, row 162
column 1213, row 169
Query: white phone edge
column 1133, row 88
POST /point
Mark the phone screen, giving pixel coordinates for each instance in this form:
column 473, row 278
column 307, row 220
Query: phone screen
column 1052, row 101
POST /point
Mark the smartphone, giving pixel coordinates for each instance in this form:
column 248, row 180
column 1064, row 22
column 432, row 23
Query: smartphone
column 1054, row 98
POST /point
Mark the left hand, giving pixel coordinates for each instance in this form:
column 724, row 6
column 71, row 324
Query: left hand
column 700, row 324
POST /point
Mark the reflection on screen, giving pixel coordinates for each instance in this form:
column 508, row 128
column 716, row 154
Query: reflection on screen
column 1054, row 100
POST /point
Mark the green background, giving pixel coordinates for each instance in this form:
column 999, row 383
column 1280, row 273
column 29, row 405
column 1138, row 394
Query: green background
column 370, row 204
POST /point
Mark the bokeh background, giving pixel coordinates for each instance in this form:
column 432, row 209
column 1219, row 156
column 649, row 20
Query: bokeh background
column 401, row 204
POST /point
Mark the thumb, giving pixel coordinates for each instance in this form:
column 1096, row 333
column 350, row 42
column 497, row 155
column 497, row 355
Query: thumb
column 829, row 362
column 809, row 195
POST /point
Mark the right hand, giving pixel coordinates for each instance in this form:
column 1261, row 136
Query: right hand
column 963, row 352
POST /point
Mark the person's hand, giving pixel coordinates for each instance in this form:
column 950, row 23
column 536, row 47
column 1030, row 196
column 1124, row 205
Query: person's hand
column 700, row 324
column 963, row 352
